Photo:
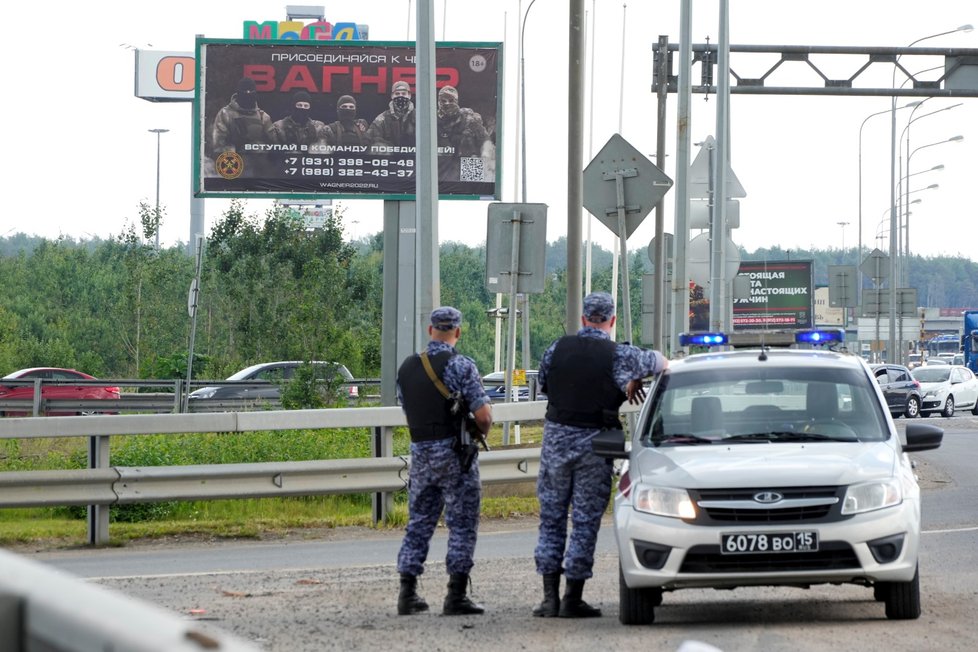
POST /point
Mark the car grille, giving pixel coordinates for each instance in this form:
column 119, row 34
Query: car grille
column 724, row 506
column 831, row 555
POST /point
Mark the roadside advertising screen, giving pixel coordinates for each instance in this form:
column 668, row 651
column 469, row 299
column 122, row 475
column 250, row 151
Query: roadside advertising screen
column 780, row 296
column 297, row 119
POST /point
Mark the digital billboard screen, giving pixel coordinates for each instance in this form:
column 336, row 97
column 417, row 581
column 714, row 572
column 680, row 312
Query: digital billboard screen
column 780, row 296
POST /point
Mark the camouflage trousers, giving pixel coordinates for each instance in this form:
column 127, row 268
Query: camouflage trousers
column 572, row 478
column 438, row 484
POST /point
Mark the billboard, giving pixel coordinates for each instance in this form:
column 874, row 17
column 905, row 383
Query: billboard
column 289, row 137
column 780, row 296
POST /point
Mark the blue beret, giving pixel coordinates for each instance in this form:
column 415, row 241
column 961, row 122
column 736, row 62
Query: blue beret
column 446, row 318
column 598, row 307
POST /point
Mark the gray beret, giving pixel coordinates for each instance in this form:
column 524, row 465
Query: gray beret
column 598, row 307
column 446, row 318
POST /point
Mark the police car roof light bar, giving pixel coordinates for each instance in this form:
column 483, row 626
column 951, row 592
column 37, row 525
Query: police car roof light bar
column 821, row 336
column 703, row 339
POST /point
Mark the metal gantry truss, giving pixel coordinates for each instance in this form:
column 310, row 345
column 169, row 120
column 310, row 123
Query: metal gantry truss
column 960, row 70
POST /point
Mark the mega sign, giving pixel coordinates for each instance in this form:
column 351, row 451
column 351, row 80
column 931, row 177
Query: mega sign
column 293, row 30
column 337, row 119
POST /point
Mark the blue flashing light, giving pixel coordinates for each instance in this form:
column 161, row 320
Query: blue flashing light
column 820, row 336
column 702, row 339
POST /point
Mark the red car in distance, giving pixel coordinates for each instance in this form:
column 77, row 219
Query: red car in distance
column 63, row 389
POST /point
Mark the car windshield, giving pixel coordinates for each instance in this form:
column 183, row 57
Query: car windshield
column 933, row 374
column 763, row 404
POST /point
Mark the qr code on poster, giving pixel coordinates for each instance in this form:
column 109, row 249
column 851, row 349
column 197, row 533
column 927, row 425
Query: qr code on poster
column 472, row 168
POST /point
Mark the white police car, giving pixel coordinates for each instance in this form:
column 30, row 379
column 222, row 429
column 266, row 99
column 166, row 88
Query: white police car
column 767, row 466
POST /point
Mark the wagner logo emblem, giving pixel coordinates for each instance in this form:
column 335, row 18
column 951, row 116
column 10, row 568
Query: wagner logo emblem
column 229, row 165
column 768, row 497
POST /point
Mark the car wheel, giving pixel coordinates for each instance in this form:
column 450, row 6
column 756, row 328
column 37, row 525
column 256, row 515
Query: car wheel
column 974, row 410
column 879, row 592
column 902, row 598
column 948, row 410
column 913, row 407
column 636, row 606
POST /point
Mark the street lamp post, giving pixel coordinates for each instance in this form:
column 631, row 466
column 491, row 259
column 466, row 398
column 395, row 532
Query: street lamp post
column 859, row 226
column 906, row 225
column 891, row 351
column 901, row 239
column 156, row 214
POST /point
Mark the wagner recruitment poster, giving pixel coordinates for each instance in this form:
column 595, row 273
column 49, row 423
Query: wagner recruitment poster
column 780, row 296
column 337, row 119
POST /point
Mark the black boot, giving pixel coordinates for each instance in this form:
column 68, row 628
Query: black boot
column 550, row 607
column 409, row 602
column 572, row 606
column 456, row 602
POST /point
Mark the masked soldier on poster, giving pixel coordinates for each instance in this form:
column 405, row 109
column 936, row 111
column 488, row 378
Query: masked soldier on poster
column 348, row 128
column 464, row 147
column 395, row 126
column 241, row 122
column 298, row 128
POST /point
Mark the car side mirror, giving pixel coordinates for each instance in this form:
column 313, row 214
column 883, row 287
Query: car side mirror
column 922, row 437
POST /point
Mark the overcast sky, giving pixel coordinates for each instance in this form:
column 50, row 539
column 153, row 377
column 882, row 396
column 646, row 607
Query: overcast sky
column 81, row 159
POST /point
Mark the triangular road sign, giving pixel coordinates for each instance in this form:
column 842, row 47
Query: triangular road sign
column 699, row 175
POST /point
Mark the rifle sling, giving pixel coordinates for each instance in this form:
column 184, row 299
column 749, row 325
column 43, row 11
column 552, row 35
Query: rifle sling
column 431, row 374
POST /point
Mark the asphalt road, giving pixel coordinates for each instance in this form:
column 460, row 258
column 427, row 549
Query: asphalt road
column 338, row 591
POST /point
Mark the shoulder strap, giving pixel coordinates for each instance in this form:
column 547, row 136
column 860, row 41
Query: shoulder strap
column 431, row 374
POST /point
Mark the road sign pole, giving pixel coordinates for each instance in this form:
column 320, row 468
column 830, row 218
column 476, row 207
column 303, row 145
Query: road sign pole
column 623, row 241
column 511, row 334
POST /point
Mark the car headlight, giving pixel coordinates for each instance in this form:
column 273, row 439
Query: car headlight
column 663, row 501
column 870, row 496
column 206, row 392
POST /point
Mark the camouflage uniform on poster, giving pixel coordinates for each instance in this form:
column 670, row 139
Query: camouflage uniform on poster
column 348, row 128
column 586, row 378
column 298, row 128
column 437, row 480
column 242, row 122
column 395, row 126
column 461, row 134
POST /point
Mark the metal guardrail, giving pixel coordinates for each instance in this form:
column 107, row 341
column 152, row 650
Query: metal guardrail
column 127, row 485
column 102, row 485
column 45, row 609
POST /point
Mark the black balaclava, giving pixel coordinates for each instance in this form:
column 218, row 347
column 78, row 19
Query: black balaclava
column 247, row 94
column 301, row 114
column 346, row 115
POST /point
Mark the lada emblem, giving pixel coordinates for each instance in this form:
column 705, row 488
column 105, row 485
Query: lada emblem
column 768, row 497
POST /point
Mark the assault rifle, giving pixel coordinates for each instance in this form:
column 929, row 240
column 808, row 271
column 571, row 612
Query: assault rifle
column 469, row 437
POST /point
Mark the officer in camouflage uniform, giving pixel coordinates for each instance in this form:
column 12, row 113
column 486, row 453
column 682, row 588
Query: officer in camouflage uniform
column 348, row 128
column 586, row 378
column 298, row 128
column 395, row 126
column 461, row 134
column 437, row 482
